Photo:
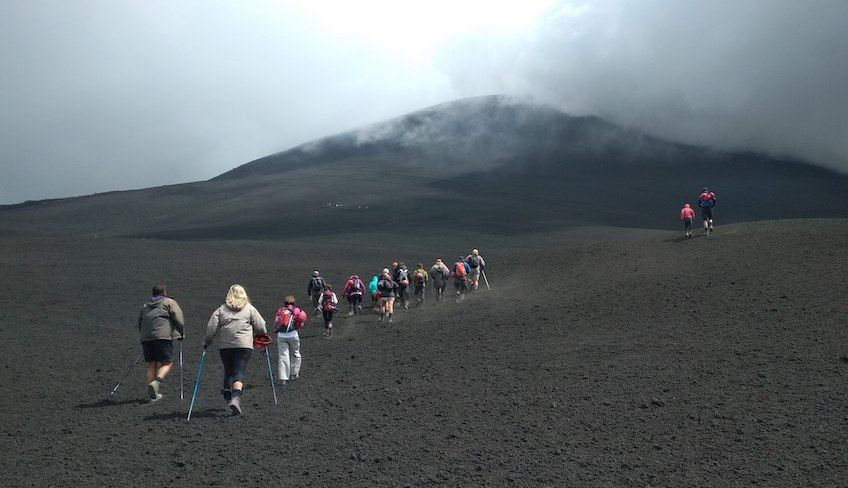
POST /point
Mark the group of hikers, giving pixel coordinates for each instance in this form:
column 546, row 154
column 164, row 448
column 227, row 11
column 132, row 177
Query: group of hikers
column 706, row 202
column 240, row 329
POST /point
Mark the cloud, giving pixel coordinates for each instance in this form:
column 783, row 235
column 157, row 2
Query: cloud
column 99, row 95
column 751, row 75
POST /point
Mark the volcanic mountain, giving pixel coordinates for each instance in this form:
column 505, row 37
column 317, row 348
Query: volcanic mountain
column 488, row 164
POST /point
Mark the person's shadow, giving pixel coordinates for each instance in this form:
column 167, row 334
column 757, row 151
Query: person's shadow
column 107, row 402
column 205, row 413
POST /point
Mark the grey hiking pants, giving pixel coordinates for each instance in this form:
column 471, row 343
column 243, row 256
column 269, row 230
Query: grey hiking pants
column 288, row 356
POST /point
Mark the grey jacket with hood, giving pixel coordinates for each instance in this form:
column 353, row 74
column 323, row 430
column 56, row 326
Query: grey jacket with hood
column 160, row 319
column 235, row 328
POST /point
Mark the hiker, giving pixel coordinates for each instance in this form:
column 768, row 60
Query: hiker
column 328, row 302
column 288, row 321
column 460, row 272
column 401, row 278
column 387, row 289
column 315, row 288
column 353, row 291
column 439, row 274
column 160, row 321
column 687, row 215
column 476, row 263
column 237, row 322
column 707, row 201
column 420, row 277
column 375, row 295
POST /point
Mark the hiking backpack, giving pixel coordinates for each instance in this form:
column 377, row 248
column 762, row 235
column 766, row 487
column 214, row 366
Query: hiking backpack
column 459, row 269
column 328, row 304
column 419, row 278
column 317, row 284
column 403, row 275
column 356, row 287
column 474, row 261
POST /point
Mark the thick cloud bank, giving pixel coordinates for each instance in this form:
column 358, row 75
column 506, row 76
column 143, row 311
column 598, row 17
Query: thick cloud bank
column 767, row 75
column 99, row 95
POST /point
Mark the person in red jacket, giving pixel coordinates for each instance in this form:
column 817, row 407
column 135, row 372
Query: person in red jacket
column 707, row 201
column 687, row 215
column 353, row 290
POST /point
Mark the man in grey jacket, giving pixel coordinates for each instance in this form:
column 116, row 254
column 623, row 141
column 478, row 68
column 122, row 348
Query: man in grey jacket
column 160, row 321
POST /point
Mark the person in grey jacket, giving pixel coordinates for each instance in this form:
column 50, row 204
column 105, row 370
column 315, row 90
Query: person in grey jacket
column 235, row 323
column 160, row 321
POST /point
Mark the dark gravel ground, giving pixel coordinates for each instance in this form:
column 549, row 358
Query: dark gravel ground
column 641, row 359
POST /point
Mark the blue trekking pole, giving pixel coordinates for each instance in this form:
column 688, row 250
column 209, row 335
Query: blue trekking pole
column 271, row 375
column 196, row 384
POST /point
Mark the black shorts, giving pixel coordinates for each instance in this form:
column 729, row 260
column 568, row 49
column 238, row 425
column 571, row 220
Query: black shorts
column 707, row 213
column 158, row 350
column 687, row 223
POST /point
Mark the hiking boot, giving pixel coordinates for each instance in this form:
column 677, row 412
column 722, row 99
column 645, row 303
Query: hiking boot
column 227, row 395
column 295, row 377
column 235, row 405
column 158, row 397
column 153, row 390
column 283, row 382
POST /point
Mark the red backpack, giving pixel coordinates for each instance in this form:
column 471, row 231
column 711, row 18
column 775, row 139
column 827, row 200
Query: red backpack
column 286, row 315
column 459, row 269
column 328, row 301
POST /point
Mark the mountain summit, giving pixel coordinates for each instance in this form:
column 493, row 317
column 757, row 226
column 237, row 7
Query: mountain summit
column 487, row 164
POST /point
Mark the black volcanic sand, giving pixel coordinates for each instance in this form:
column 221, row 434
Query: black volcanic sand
column 644, row 359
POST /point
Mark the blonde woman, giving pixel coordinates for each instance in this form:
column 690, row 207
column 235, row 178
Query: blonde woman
column 236, row 322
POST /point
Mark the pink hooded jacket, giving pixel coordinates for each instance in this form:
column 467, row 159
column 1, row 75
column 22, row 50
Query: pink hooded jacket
column 686, row 212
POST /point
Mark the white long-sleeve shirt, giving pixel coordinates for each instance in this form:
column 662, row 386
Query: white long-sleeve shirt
column 321, row 300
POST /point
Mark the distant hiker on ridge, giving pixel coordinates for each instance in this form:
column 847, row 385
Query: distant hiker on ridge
column 237, row 322
column 353, row 291
column 439, row 273
column 420, row 277
column 387, row 290
column 687, row 215
column 476, row 262
column 460, row 272
column 159, row 323
column 375, row 295
column 315, row 288
column 328, row 303
column 707, row 201
column 401, row 277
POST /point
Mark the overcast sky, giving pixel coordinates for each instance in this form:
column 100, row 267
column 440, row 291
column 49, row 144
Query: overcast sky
column 111, row 94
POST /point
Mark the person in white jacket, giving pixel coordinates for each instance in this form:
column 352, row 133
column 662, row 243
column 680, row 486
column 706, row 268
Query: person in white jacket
column 327, row 303
column 235, row 323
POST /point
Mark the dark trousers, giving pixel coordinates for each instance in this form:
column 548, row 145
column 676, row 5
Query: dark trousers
column 235, row 365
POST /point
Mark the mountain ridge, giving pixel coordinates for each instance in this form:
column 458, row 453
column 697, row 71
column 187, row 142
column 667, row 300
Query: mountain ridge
column 499, row 165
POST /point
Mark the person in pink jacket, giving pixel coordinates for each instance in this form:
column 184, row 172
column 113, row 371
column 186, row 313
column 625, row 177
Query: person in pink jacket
column 687, row 215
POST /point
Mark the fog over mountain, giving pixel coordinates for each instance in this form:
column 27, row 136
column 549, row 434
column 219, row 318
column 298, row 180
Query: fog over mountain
column 101, row 95
column 499, row 165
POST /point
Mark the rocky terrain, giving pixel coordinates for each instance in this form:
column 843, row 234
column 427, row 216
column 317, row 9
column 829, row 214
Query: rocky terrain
column 601, row 357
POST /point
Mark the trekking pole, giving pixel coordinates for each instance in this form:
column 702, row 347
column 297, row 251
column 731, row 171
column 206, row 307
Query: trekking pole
column 196, row 384
column 127, row 373
column 485, row 279
column 181, row 370
column 271, row 375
